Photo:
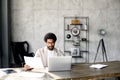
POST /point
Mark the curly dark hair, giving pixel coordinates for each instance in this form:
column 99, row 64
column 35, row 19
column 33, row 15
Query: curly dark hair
column 50, row 36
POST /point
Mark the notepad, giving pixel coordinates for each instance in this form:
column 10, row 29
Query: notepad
column 98, row 66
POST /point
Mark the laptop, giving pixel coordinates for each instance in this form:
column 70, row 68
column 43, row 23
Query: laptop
column 59, row 63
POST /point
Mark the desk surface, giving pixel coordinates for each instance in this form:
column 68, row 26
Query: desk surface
column 79, row 71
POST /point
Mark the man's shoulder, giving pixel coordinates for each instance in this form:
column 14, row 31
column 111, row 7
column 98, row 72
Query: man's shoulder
column 41, row 49
column 56, row 49
column 59, row 52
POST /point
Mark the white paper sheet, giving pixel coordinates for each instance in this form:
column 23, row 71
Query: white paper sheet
column 2, row 73
column 31, row 74
column 33, row 62
column 98, row 66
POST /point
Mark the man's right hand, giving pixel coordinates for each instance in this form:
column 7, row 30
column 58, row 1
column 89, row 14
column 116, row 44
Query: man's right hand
column 27, row 67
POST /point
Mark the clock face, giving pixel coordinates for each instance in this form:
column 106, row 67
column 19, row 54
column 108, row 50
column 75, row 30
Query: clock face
column 75, row 31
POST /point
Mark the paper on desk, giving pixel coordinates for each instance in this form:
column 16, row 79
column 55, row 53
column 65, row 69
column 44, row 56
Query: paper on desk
column 31, row 74
column 33, row 62
column 2, row 73
column 98, row 66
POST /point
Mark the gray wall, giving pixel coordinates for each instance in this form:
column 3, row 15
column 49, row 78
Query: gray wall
column 31, row 19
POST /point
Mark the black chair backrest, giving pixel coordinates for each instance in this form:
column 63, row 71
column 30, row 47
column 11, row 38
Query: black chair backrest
column 20, row 49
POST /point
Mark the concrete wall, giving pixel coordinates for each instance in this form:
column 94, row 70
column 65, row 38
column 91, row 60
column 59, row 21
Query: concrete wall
column 31, row 19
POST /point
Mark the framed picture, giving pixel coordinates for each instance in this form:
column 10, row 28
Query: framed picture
column 75, row 51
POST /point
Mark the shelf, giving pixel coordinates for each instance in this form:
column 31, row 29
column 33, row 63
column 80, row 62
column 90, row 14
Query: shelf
column 80, row 30
column 68, row 51
column 80, row 51
column 83, row 30
column 77, row 57
column 83, row 51
column 76, row 24
column 79, row 37
column 78, row 40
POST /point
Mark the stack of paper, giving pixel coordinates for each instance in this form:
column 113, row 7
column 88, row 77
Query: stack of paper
column 98, row 66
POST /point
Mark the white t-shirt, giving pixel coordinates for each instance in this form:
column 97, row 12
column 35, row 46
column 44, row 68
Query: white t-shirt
column 49, row 54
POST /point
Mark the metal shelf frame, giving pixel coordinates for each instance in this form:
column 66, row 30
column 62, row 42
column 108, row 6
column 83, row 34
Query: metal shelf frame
column 82, row 38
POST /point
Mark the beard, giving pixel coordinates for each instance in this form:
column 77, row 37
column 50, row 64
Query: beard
column 50, row 47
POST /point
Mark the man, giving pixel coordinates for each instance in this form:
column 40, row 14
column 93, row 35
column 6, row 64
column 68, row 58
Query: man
column 47, row 51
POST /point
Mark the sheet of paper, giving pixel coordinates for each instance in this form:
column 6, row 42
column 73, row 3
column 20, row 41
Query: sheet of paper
column 2, row 73
column 33, row 62
column 31, row 74
column 98, row 66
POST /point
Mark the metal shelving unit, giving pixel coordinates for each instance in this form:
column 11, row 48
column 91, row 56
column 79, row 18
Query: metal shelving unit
column 76, row 37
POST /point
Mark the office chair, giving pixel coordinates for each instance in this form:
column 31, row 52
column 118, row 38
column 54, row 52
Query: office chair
column 19, row 50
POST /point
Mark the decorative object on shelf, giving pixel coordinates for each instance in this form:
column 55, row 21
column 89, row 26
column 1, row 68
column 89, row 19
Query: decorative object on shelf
column 102, row 32
column 75, row 31
column 84, row 39
column 68, row 36
column 84, row 27
column 75, row 51
column 76, row 43
column 67, row 27
column 75, row 21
